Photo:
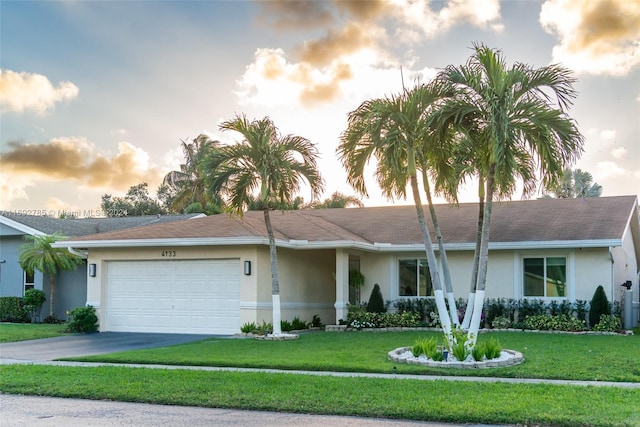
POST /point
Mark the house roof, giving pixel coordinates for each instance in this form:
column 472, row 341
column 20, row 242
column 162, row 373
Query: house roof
column 74, row 227
column 589, row 222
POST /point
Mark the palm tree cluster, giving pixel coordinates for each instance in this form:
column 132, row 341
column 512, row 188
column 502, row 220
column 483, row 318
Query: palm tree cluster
column 502, row 125
column 574, row 184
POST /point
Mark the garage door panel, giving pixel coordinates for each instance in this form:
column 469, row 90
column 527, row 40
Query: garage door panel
column 189, row 296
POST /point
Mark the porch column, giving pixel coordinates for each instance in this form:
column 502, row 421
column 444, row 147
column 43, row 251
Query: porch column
column 342, row 285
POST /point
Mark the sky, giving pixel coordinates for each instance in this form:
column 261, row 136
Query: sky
column 97, row 96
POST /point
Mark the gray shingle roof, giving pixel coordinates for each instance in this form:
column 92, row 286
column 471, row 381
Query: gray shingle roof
column 543, row 220
column 73, row 227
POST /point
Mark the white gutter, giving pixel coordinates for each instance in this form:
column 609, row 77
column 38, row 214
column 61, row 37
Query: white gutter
column 81, row 254
column 333, row 244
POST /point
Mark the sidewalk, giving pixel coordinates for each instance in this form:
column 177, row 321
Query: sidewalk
column 4, row 361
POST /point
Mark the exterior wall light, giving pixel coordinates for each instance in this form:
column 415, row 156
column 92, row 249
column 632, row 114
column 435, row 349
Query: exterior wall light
column 247, row 268
column 92, row 270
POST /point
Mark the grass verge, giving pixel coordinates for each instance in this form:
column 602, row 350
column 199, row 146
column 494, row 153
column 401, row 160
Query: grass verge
column 444, row 401
column 11, row 332
column 549, row 356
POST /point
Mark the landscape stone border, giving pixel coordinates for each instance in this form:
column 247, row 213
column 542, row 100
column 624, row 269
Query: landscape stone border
column 507, row 358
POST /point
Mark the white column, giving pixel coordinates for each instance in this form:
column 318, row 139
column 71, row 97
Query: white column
column 342, row 285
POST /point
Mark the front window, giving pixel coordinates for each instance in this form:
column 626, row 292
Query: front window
column 29, row 282
column 545, row 277
column 414, row 279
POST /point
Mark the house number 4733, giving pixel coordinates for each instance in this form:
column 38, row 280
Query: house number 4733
column 169, row 253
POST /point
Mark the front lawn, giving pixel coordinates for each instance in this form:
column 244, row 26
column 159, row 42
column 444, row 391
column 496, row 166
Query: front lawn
column 467, row 402
column 10, row 332
column 551, row 356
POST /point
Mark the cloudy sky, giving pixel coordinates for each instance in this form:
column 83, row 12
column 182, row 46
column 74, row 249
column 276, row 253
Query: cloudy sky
column 96, row 96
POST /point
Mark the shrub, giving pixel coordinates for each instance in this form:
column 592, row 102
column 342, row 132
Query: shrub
column 33, row 300
column 52, row 320
column 479, row 351
column 492, row 348
column 297, row 324
column 12, row 310
column 561, row 322
column 376, row 302
column 421, row 307
column 460, row 349
column 599, row 306
column 426, row 346
column 316, row 322
column 608, row 323
column 248, row 328
column 501, row 322
column 82, row 319
column 265, row 328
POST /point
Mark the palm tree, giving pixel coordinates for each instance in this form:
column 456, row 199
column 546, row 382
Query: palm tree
column 38, row 254
column 392, row 131
column 269, row 166
column 574, row 184
column 188, row 185
column 337, row 200
column 516, row 119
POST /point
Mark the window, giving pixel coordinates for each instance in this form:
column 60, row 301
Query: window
column 29, row 282
column 414, row 279
column 545, row 277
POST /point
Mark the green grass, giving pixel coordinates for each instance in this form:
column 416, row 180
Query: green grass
column 10, row 332
column 391, row 398
column 573, row 357
column 550, row 356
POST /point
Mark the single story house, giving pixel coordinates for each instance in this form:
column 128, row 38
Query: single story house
column 71, row 286
column 212, row 274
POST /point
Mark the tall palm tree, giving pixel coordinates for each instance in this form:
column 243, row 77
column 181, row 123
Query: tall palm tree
column 188, row 184
column 515, row 116
column 38, row 254
column 267, row 165
column 392, row 131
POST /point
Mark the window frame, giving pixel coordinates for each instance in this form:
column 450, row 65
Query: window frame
column 419, row 264
column 26, row 284
column 545, row 258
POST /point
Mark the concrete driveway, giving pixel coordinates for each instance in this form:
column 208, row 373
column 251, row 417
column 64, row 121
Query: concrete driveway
column 90, row 344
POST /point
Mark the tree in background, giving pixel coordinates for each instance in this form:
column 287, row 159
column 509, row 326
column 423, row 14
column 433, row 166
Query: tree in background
column 38, row 254
column 267, row 165
column 136, row 202
column 185, row 190
column 337, row 201
column 573, row 184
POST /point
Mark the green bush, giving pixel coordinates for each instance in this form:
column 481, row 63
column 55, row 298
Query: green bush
column 82, row 319
column 492, row 348
column 12, row 310
column 33, row 300
column 459, row 348
column 316, row 322
column 608, row 323
column 479, row 351
column 599, row 306
column 376, row 302
column 248, row 328
column 426, row 346
column 297, row 324
column 560, row 322
column 265, row 328
column 501, row 322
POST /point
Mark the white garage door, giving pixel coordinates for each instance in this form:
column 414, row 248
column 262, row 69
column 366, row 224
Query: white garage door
column 186, row 296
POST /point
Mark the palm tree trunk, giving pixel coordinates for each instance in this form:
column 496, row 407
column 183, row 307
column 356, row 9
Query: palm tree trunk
column 483, row 262
column 52, row 296
column 453, row 310
column 445, row 321
column 275, row 280
column 476, row 256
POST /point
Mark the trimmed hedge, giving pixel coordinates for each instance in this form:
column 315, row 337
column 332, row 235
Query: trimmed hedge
column 12, row 309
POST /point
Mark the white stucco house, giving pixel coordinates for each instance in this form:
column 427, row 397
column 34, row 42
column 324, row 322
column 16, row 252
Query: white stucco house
column 211, row 275
column 71, row 286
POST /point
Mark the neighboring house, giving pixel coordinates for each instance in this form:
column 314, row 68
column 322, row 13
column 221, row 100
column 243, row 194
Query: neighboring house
column 71, row 286
column 211, row 275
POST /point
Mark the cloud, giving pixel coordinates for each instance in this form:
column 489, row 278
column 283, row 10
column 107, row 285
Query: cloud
column 609, row 169
column 619, row 153
column 356, row 40
column 75, row 159
column 290, row 15
column 608, row 134
column 595, row 36
column 26, row 91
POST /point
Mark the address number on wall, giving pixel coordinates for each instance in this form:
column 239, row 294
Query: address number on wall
column 169, row 253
